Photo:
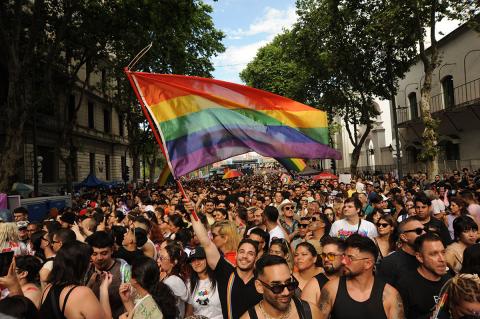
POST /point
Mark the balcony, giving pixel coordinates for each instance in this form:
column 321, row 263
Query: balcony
column 465, row 95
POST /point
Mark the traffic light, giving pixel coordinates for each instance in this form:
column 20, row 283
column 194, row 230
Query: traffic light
column 334, row 166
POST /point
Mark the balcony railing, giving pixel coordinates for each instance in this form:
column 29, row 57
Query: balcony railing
column 463, row 95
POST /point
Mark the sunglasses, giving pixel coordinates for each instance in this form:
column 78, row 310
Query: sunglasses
column 277, row 289
column 303, row 225
column 329, row 256
column 417, row 231
column 383, row 225
column 288, row 208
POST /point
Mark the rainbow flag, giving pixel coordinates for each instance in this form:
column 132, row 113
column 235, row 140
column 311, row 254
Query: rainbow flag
column 292, row 164
column 202, row 121
column 165, row 177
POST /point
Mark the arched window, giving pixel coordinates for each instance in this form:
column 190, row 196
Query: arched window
column 448, row 92
column 412, row 100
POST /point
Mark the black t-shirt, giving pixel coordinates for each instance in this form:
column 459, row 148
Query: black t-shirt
column 127, row 255
column 394, row 266
column 419, row 295
column 439, row 227
column 243, row 296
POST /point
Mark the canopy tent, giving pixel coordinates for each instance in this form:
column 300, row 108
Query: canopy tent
column 325, row 175
column 91, row 181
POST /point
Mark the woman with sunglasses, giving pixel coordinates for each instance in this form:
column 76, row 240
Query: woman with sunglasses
column 305, row 262
column 385, row 240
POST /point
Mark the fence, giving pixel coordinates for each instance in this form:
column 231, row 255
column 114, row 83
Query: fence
column 463, row 95
column 444, row 166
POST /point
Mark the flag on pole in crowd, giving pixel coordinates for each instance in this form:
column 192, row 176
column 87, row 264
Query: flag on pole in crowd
column 292, row 164
column 202, row 121
column 165, row 177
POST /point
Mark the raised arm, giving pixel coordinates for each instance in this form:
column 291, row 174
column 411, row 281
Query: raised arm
column 211, row 251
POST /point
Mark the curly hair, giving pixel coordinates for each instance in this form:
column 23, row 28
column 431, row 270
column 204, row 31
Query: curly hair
column 8, row 233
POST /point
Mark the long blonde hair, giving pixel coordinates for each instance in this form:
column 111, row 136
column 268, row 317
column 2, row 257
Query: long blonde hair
column 8, row 233
column 228, row 229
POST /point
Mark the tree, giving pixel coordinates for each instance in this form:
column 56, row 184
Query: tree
column 339, row 56
column 49, row 49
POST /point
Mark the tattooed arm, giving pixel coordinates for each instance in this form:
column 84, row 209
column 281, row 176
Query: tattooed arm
column 327, row 298
column 392, row 303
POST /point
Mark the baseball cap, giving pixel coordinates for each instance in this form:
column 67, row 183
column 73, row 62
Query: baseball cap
column 197, row 253
column 22, row 224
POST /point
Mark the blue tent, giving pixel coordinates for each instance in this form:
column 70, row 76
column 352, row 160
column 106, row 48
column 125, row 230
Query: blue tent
column 91, row 181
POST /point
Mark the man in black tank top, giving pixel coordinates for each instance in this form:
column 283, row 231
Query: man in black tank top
column 277, row 286
column 359, row 294
column 333, row 249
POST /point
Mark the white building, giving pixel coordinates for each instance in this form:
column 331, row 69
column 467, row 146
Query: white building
column 455, row 103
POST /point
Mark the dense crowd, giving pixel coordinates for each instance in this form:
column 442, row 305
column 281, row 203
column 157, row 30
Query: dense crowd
column 252, row 247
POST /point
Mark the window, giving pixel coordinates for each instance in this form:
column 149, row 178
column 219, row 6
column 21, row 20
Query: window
column 448, row 92
column 104, row 80
column 71, row 107
column 107, row 120
column 412, row 99
column 107, row 167
column 121, row 128
column 91, row 117
column 92, row 163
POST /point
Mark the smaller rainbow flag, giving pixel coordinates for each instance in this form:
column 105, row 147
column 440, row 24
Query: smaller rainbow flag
column 293, row 164
column 165, row 177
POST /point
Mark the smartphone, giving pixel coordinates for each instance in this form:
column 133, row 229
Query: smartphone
column 5, row 261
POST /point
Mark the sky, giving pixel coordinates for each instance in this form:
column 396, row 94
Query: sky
column 251, row 24
column 248, row 25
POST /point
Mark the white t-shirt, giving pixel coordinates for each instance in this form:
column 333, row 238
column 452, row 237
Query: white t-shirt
column 180, row 291
column 438, row 206
column 342, row 229
column 205, row 301
column 277, row 232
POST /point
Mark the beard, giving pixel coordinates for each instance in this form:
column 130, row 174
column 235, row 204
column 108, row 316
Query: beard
column 247, row 267
column 280, row 306
column 330, row 269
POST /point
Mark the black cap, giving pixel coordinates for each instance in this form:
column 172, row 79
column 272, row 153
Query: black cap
column 197, row 253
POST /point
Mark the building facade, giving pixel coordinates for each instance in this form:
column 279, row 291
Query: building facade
column 455, row 103
column 100, row 136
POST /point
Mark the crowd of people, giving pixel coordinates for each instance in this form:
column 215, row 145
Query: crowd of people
column 252, row 247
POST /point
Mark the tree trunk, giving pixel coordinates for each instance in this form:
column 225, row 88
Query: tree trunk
column 429, row 136
column 357, row 149
column 10, row 155
column 152, row 165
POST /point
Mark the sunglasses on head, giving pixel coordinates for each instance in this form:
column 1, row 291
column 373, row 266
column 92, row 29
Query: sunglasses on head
column 277, row 289
column 418, row 230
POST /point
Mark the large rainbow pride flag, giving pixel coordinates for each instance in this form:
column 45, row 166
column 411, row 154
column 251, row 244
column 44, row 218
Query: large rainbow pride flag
column 203, row 121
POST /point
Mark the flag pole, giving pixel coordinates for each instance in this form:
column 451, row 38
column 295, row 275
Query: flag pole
column 128, row 72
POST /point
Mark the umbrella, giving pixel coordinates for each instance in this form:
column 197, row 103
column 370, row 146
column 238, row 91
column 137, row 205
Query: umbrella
column 232, row 174
column 325, row 175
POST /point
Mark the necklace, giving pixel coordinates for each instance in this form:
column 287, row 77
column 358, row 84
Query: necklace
column 267, row 316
